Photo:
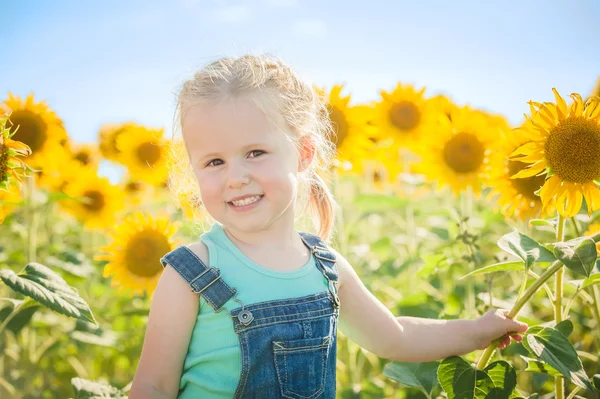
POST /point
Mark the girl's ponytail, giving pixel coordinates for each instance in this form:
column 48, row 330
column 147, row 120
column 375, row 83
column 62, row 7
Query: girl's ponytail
column 321, row 205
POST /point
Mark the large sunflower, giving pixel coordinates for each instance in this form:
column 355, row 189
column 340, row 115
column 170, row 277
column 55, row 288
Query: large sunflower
column 404, row 114
column 515, row 197
column 564, row 144
column 349, row 125
column 144, row 152
column 457, row 153
column 134, row 255
column 100, row 200
column 9, row 151
column 36, row 125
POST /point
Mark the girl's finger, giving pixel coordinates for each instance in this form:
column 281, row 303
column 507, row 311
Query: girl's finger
column 517, row 338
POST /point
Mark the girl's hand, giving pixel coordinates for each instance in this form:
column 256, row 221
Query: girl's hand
column 493, row 325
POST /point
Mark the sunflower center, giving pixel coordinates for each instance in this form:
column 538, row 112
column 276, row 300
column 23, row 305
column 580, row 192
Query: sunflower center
column 83, row 157
column 405, row 115
column 148, row 153
column 464, row 153
column 340, row 124
column 143, row 253
column 573, row 150
column 133, row 187
column 526, row 186
column 95, row 200
column 31, row 131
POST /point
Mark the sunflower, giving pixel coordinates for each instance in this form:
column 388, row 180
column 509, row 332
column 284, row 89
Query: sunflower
column 515, row 197
column 107, row 139
column 9, row 199
column 58, row 168
column 134, row 255
column 86, row 154
column 443, row 105
column 100, row 200
column 9, row 151
column 35, row 124
column 144, row 152
column 456, row 154
column 349, row 125
column 135, row 191
column 404, row 114
column 564, row 144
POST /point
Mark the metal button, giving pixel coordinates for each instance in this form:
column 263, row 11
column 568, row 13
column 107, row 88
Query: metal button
column 245, row 317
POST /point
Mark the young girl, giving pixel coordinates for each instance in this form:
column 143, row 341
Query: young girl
column 251, row 310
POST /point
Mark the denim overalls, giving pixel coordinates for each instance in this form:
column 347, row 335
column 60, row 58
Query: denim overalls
column 288, row 346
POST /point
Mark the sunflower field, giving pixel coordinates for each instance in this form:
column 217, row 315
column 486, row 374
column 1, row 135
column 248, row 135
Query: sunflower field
column 446, row 211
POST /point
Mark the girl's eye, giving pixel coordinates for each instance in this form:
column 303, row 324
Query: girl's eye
column 214, row 160
column 255, row 151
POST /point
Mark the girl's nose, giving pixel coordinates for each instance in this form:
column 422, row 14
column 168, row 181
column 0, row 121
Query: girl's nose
column 238, row 176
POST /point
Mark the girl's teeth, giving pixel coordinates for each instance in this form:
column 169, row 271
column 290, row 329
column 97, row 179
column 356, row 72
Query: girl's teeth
column 246, row 201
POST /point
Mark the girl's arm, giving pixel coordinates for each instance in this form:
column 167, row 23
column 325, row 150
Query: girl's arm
column 173, row 313
column 366, row 321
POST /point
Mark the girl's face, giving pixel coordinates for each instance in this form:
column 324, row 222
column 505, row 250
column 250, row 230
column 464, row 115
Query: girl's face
column 246, row 169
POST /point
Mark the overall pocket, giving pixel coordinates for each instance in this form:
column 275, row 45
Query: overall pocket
column 301, row 366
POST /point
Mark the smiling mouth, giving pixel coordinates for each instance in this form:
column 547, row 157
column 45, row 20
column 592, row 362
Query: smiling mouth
column 246, row 201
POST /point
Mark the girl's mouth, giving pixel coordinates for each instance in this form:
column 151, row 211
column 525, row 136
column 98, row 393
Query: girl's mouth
column 246, row 204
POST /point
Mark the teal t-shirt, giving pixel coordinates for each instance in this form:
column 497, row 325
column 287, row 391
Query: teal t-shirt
column 213, row 362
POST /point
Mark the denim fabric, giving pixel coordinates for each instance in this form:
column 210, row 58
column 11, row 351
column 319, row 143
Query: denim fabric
column 288, row 346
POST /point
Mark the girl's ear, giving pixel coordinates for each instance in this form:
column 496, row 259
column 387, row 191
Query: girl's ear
column 306, row 154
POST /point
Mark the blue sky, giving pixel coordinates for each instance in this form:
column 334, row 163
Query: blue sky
column 105, row 61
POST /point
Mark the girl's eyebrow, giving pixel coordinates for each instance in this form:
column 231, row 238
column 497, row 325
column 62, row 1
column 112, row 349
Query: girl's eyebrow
column 244, row 148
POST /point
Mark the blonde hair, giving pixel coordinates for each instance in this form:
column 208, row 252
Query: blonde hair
column 291, row 99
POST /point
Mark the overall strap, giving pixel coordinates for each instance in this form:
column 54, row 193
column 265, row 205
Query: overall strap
column 203, row 280
column 325, row 260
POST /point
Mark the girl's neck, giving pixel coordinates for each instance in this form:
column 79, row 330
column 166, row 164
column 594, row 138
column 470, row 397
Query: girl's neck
column 282, row 238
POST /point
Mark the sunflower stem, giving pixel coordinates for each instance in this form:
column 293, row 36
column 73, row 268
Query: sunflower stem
column 596, row 307
column 575, row 227
column 467, row 211
column 30, row 219
column 559, row 382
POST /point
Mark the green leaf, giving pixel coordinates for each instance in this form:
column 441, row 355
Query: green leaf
column 422, row 376
column 539, row 366
column 565, row 327
column 496, row 267
column 596, row 379
column 379, row 202
column 551, row 346
column 86, row 389
column 526, row 248
column 24, row 313
column 460, row 380
column 543, row 222
column 49, row 289
column 579, row 254
column 591, row 280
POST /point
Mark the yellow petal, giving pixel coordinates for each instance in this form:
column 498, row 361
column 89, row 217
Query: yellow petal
column 527, row 148
column 531, row 158
column 591, row 193
column 561, row 105
column 550, row 189
column 592, row 110
column 574, row 201
column 532, row 170
column 577, row 106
